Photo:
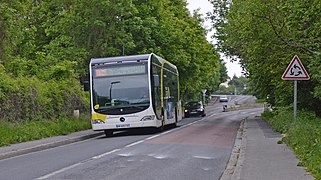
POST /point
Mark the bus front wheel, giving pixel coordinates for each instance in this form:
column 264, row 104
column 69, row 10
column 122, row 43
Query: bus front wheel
column 108, row 132
column 161, row 128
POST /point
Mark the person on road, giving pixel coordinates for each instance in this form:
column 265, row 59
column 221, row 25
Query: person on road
column 224, row 107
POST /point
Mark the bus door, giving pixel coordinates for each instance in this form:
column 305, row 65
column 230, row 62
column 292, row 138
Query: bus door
column 169, row 104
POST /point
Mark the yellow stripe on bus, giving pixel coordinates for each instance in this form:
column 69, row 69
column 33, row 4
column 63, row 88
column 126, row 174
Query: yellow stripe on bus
column 97, row 116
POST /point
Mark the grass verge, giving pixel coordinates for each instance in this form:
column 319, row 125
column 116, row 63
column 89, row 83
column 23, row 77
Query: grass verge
column 303, row 136
column 11, row 133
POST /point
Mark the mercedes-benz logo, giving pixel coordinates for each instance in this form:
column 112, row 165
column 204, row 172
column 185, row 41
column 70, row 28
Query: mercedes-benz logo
column 122, row 119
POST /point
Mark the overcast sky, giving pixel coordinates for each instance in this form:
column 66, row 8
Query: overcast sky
column 205, row 6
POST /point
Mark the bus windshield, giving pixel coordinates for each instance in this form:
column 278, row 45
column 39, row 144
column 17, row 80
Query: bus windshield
column 120, row 89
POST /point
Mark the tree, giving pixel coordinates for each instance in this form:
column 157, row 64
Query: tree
column 52, row 41
column 265, row 35
column 223, row 72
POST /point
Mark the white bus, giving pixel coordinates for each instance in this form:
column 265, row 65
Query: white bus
column 133, row 92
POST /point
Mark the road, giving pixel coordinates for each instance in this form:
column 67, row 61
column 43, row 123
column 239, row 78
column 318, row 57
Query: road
column 198, row 149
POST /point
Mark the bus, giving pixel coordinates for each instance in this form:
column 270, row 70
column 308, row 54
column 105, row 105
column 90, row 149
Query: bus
column 135, row 91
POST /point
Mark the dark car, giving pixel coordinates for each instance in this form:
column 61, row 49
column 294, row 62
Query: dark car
column 194, row 108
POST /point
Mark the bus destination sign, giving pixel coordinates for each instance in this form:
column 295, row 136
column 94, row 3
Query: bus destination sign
column 119, row 70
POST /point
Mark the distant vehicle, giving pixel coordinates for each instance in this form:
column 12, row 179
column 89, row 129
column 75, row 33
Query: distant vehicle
column 194, row 108
column 223, row 98
column 224, row 107
column 133, row 92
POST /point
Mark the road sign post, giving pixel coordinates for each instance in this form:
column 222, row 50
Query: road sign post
column 203, row 92
column 295, row 99
column 295, row 71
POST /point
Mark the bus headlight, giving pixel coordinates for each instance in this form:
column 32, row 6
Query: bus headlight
column 148, row 118
column 97, row 122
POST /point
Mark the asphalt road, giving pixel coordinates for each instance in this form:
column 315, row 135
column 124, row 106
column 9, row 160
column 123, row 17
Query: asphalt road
column 198, row 149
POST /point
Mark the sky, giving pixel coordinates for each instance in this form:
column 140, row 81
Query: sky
column 205, row 6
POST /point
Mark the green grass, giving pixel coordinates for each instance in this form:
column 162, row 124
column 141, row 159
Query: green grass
column 11, row 133
column 303, row 136
column 260, row 100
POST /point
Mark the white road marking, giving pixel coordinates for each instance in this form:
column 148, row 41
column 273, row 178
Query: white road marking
column 135, row 143
column 105, row 154
column 203, row 157
column 59, row 171
column 75, row 165
column 116, row 150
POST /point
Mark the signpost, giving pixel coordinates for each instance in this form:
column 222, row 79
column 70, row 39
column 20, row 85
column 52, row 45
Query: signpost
column 203, row 92
column 295, row 71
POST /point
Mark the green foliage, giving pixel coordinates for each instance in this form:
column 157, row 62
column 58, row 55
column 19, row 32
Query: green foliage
column 303, row 137
column 223, row 72
column 280, row 119
column 169, row 30
column 11, row 133
column 46, row 45
column 265, row 35
column 28, row 98
column 240, row 84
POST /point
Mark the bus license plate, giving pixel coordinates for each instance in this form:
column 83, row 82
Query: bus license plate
column 122, row 125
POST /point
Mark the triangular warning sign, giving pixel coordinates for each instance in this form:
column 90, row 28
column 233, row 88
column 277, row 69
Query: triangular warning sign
column 295, row 71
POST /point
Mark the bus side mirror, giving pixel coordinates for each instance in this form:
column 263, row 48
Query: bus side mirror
column 86, row 86
column 156, row 80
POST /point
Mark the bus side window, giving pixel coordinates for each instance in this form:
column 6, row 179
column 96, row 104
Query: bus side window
column 156, row 80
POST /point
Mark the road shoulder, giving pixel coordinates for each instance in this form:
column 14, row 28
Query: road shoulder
column 46, row 143
column 257, row 155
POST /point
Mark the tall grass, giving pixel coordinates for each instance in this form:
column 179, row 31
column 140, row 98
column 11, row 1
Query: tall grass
column 303, row 136
column 11, row 133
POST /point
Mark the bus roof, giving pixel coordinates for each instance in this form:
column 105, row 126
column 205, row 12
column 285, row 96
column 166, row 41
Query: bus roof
column 121, row 58
column 129, row 58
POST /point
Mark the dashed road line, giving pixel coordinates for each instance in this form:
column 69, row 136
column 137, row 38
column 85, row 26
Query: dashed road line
column 113, row 151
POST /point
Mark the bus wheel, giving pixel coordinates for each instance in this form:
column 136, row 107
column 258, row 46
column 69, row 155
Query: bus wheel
column 176, row 117
column 161, row 128
column 108, row 132
column 175, row 124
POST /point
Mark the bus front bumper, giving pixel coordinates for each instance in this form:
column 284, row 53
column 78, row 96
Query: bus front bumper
column 124, row 125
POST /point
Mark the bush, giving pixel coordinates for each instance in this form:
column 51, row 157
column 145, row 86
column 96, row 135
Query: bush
column 29, row 99
column 31, row 108
column 279, row 119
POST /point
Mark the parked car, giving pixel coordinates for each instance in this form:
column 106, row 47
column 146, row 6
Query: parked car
column 194, row 108
column 223, row 98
